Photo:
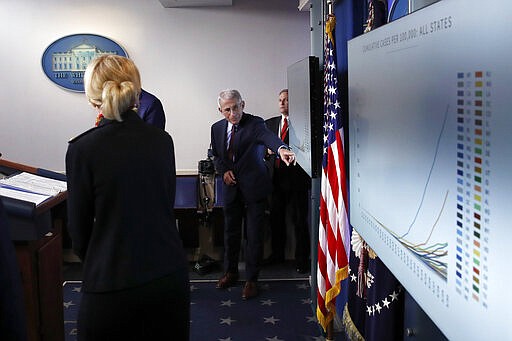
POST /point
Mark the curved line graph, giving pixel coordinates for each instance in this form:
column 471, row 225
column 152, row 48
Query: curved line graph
column 429, row 173
column 432, row 254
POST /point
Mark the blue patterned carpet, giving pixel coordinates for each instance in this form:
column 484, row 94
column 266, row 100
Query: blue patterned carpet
column 281, row 312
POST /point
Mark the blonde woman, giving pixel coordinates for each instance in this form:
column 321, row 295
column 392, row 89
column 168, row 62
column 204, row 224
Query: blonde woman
column 121, row 186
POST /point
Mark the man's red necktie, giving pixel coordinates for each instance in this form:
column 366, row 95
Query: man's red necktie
column 284, row 129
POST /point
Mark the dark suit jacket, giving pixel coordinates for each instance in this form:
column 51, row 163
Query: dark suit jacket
column 151, row 109
column 288, row 178
column 250, row 143
column 121, row 189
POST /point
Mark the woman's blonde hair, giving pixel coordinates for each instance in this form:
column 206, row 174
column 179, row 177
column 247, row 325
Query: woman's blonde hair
column 112, row 84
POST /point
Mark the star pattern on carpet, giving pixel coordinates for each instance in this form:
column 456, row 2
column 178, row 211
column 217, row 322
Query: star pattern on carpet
column 280, row 313
column 227, row 303
column 270, row 319
column 311, row 318
column 268, row 302
column 306, row 301
column 68, row 304
column 228, row 320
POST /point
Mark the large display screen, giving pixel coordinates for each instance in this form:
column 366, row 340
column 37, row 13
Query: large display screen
column 430, row 129
column 305, row 106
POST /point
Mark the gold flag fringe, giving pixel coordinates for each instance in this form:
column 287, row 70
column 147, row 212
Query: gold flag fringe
column 341, row 274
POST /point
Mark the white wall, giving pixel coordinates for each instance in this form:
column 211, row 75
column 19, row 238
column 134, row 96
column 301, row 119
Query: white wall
column 185, row 55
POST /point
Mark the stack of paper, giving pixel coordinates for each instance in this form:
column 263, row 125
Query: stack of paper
column 31, row 187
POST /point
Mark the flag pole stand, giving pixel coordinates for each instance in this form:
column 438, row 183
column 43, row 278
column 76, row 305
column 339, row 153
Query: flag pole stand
column 330, row 332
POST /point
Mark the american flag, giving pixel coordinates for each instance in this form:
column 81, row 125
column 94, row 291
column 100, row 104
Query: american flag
column 333, row 235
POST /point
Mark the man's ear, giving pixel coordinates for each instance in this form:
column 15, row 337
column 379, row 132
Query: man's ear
column 242, row 104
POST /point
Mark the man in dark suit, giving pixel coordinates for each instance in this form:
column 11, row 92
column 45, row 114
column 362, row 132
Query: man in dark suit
column 238, row 145
column 151, row 110
column 290, row 195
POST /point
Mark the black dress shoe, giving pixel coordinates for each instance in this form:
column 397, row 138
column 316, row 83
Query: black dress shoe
column 250, row 290
column 272, row 259
column 228, row 280
column 205, row 264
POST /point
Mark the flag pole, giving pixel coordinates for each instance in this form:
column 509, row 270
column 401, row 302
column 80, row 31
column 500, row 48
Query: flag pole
column 333, row 223
column 330, row 332
column 330, row 327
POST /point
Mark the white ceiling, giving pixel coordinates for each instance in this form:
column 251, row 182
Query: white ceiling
column 195, row 3
column 303, row 5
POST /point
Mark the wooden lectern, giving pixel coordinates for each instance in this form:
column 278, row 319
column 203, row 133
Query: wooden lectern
column 37, row 235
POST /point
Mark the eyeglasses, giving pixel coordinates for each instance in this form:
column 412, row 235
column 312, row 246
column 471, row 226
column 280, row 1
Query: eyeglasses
column 229, row 110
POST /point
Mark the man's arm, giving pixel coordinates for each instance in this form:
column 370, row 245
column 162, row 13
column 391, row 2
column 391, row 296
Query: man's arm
column 274, row 143
column 286, row 154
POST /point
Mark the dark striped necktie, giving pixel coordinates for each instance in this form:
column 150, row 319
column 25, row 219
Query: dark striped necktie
column 231, row 138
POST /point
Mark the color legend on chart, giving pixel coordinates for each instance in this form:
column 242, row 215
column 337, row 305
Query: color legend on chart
column 474, row 115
